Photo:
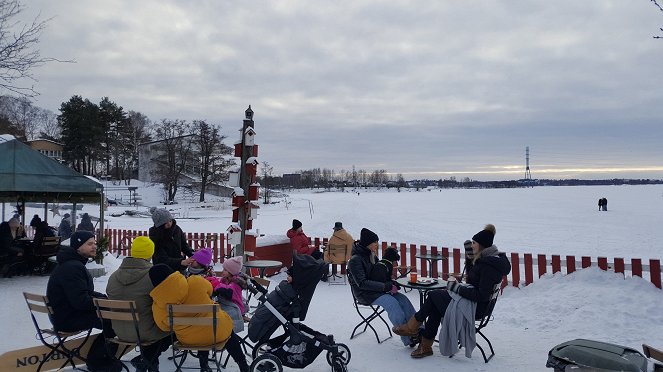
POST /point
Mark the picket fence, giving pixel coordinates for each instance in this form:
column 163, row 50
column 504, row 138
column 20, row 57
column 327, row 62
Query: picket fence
column 525, row 268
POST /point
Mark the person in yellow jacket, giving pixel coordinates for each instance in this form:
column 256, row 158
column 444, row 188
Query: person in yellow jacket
column 171, row 287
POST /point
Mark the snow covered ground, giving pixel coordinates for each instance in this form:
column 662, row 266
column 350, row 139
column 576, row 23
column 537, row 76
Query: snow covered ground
column 528, row 321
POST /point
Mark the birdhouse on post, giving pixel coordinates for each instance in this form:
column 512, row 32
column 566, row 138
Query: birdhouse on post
column 234, row 234
column 249, row 136
column 254, row 191
column 253, row 210
column 233, row 178
column 252, row 166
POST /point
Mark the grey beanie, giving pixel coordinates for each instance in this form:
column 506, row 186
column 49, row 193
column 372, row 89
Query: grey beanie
column 161, row 216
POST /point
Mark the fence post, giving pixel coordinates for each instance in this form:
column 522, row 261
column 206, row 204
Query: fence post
column 515, row 269
column 636, row 267
column 619, row 265
column 570, row 264
column 586, row 262
column 434, row 273
column 456, row 253
column 556, row 264
column 603, row 263
column 413, row 258
column 529, row 262
column 655, row 272
column 445, row 263
column 541, row 264
column 424, row 263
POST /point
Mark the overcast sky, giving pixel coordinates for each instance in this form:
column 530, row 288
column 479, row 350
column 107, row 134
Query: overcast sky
column 429, row 89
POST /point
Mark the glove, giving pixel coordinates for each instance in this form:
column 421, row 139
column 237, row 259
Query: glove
column 452, row 286
column 394, row 290
column 388, row 286
column 225, row 293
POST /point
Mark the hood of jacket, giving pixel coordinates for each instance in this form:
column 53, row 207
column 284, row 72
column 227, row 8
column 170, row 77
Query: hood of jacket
column 69, row 254
column 359, row 249
column 132, row 270
column 498, row 261
column 173, row 290
column 291, row 233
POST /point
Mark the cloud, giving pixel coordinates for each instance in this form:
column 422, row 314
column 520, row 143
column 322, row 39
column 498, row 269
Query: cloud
column 407, row 86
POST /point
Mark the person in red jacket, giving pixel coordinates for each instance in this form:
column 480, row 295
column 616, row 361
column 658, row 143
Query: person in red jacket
column 300, row 242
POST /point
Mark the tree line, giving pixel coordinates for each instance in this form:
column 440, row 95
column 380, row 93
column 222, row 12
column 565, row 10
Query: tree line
column 103, row 140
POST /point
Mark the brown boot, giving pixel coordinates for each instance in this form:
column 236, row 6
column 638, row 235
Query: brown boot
column 424, row 349
column 411, row 328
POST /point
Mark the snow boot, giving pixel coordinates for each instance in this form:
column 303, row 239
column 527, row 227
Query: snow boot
column 424, row 349
column 411, row 328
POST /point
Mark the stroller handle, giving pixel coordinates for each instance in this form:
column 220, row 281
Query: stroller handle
column 255, row 287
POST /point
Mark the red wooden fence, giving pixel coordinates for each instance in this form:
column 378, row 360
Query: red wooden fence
column 522, row 265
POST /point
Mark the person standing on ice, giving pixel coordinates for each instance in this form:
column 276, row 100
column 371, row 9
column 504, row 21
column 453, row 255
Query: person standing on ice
column 170, row 245
column 367, row 291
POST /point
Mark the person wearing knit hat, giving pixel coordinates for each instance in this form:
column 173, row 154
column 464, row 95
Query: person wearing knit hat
column 71, row 291
column 202, row 263
column 383, row 270
column 170, row 244
column 367, row 237
column 233, row 265
column 158, row 273
column 375, row 292
column 487, row 269
column 142, row 247
column 64, row 229
column 131, row 282
column 299, row 242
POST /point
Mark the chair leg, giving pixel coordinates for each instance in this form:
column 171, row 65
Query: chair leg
column 366, row 322
column 490, row 345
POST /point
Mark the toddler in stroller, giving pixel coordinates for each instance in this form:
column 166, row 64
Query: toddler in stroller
column 285, row 306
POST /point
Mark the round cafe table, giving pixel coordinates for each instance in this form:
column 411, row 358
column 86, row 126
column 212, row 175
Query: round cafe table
column 261, row 265
column 422, row 288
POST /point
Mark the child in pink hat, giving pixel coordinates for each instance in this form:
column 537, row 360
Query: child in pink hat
column 229, row 278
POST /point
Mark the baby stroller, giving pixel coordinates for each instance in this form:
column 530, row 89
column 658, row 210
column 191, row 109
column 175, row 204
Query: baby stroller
column 284, row 307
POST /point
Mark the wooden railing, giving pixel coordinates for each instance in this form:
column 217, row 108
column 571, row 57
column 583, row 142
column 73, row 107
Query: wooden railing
column 525, row 268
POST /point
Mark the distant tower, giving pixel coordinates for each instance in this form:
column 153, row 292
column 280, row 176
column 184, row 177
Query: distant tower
column 528, row 174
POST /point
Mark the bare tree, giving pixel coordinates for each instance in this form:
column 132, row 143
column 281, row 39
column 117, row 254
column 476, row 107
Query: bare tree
column 18, row 52
column 173, row 155
column 266, row 170
column 661, row 9
column 211, row 153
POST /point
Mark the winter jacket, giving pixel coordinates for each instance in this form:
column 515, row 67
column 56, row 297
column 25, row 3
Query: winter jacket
column 70, row 291
column 233, row 286
column 484, row 274
column 381, row 271
column 64, row 230
column 359, row 269
column 340, row 237
column 263, row 323
column 458, row 326
column 195, row 290
column 170, row 246
column 131, row 282
column 86, row 224
column 299, row 242
column 7, row 239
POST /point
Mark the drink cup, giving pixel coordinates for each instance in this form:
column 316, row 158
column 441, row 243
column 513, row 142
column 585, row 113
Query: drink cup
column 413, row 277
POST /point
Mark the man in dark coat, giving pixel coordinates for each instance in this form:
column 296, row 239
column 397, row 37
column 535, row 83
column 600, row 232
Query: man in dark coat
column 86, row 223
column 70, row 291
column 367, row 291
column 170, row 245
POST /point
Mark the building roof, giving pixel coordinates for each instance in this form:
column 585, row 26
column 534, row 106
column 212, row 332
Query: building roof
column 26, row 173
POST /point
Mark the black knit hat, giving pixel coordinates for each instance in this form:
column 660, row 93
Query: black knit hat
column 391, row 255
column 485, row 237
column 78, row 238
column 367, row 237
column 296, row 224
column 158, row 273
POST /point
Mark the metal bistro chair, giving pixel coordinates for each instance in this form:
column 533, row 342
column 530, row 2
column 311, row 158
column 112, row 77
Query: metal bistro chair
column 336, row 254
column 374, row 311
column 187, row 316
column 122, row 311
column 38, row 304
column 487, row 317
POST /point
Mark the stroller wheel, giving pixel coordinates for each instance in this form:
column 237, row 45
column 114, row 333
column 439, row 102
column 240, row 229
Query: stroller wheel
column 266, row 363
column 343, row 355
column 260, row 349
column 338, row 366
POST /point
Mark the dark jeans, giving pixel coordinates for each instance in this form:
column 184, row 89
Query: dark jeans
column 98, row 355
column 432, row 312
column 234, row 349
